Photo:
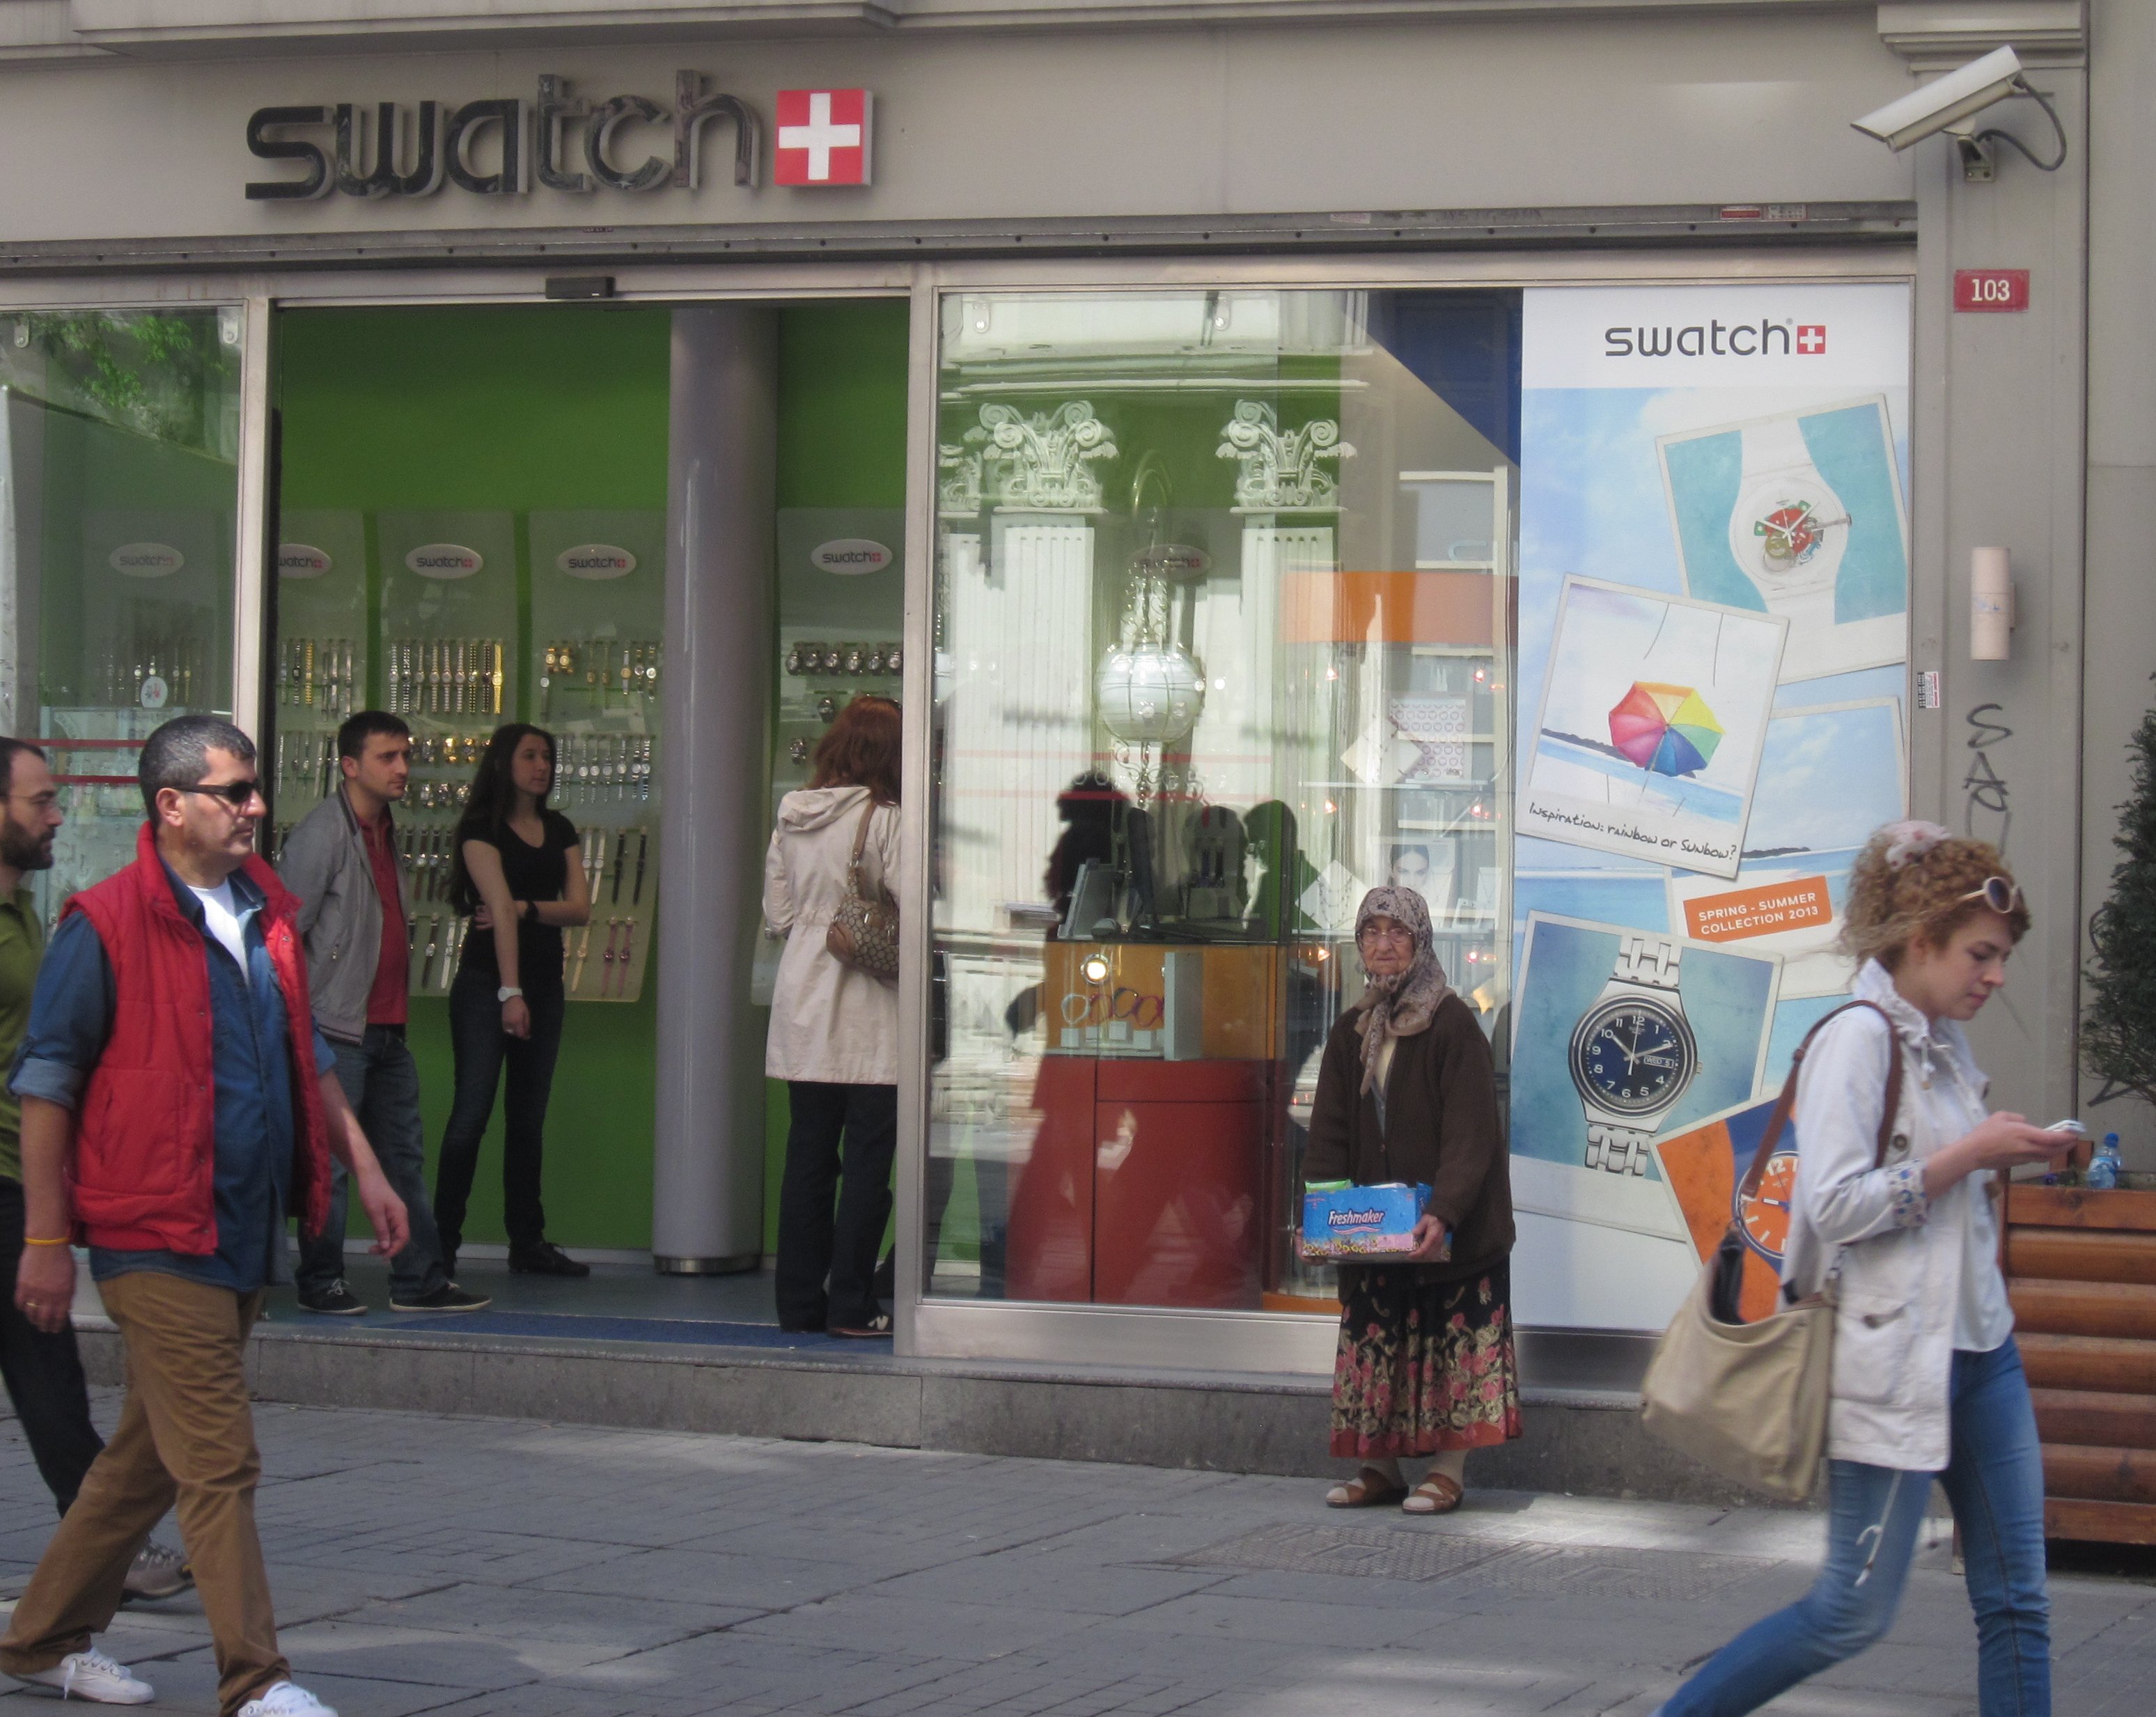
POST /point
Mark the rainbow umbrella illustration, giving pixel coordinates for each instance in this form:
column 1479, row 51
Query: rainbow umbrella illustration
column 1666, row 730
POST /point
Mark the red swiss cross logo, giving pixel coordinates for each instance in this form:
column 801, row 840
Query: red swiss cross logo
column 1811, row 338
column 823, row 137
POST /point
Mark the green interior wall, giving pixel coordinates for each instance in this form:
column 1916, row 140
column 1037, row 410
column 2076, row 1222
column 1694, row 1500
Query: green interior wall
column 566, row 406
column 498, row 408
column 841, row 444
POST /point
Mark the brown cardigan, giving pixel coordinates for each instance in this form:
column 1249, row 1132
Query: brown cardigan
column 1441, row 1127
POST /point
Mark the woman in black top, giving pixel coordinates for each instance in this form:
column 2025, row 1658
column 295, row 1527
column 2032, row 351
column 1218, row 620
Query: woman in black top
column 512, row 872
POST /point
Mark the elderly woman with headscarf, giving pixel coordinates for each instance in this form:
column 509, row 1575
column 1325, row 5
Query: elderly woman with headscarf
column 1406, row 1093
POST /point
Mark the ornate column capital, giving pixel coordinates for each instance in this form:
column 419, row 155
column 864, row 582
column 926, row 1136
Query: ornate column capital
column 1036, row 463
column 1282, row 470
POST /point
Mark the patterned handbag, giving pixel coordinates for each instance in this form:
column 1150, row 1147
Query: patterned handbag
column 863, row 936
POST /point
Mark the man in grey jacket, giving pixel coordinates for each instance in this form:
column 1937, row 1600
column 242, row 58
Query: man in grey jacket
column 342, row 860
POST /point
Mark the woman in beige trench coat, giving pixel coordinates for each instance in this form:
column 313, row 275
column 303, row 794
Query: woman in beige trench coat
column 834, row 1034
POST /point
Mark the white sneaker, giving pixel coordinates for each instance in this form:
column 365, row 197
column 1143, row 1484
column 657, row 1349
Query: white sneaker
column 93, row 1676
column 287, row 1699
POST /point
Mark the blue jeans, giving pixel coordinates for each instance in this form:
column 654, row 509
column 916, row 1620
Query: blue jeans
column 382, row 1085
column 1994, row 1480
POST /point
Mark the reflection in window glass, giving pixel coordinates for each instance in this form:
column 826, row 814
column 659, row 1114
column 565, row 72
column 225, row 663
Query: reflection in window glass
column 1223, row 638
column 118, row 506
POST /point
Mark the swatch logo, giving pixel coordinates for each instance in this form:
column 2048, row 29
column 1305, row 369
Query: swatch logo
column 444, row 559
column 596, row 560
column 301, row 560
column 850, row 556
column 1765, row 338
column 147, row 560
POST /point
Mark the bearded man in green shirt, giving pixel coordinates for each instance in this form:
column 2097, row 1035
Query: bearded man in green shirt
column 43, row 1372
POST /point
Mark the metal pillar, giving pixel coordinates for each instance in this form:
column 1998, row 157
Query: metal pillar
column 707, row 1182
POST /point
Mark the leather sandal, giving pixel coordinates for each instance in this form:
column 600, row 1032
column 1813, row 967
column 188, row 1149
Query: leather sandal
column 1367, row 1490
column 1437, row 1494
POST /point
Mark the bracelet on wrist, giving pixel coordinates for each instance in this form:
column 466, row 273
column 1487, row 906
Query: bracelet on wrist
column 36, row 1240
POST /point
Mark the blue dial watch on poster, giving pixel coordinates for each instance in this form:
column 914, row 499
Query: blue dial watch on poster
column 1632, row 1054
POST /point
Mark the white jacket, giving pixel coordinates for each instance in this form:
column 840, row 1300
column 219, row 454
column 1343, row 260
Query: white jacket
column 828, row 1024
column 1901, row 1255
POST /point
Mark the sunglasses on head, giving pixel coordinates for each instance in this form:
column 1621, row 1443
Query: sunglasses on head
column 238, row 794
column 2002, row 895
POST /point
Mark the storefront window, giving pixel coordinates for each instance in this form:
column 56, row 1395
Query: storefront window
column 118, row 508
column 1223, row 638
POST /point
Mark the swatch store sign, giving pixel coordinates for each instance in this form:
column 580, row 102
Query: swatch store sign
column 561, row 138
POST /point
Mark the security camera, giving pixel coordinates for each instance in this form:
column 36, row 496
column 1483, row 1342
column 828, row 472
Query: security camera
column 1927, row 111
column 1947, row 103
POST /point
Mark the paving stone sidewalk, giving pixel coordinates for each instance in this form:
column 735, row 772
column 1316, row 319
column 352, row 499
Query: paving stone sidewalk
column 482, row 1568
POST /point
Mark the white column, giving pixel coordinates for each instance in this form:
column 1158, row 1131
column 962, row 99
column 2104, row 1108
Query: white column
column 1019, row 716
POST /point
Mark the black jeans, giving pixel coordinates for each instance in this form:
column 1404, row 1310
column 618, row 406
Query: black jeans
column 382, row 1085
column 482, row 1049
column 43, row 1373
column 813, row 1244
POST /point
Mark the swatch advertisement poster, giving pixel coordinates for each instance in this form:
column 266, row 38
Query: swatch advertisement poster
column 1713, row 675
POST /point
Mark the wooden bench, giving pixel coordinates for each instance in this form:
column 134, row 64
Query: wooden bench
column 2081, row 1270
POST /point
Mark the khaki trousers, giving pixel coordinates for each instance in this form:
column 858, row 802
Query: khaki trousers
column 187, row 1434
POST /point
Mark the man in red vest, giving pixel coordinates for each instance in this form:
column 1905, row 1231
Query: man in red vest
column 177, row 1102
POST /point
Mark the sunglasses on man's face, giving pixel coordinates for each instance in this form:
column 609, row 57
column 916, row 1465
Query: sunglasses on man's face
column 2000, row 894
column 238, row 794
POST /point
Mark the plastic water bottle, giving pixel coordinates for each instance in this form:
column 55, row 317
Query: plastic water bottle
column 2103, row 1166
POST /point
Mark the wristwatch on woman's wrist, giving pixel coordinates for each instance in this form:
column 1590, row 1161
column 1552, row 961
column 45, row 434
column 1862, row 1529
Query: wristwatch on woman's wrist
column 507, row 992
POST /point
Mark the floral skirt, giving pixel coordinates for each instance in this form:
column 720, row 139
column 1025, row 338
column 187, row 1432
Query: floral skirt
column 1425, row 1366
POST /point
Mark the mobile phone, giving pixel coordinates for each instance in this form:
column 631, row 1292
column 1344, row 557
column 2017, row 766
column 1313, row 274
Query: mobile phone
column 2068, row 1126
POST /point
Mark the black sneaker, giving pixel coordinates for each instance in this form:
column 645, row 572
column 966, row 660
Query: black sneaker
column 335, row 1301
column 545, row 1259
column 447, row 1297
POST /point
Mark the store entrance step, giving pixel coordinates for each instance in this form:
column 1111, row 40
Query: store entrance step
column 754, row 1381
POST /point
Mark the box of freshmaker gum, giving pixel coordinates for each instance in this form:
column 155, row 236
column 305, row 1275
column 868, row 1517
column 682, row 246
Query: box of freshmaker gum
column 1342, row 1220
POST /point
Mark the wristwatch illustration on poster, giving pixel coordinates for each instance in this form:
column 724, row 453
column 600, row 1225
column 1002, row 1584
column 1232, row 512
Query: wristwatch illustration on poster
column 1620, row 1036
column 1633, row 1053
column 1713, row 603
column 1815, row 531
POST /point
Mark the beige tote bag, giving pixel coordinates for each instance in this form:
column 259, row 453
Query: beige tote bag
column 1749, row 1400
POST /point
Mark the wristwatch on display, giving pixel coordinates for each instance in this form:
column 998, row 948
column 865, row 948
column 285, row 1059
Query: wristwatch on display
column 506, row 993
column 1788, row 529
column 1633, row 1053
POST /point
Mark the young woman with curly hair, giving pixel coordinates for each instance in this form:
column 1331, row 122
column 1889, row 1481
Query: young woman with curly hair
column 1927, row 1381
